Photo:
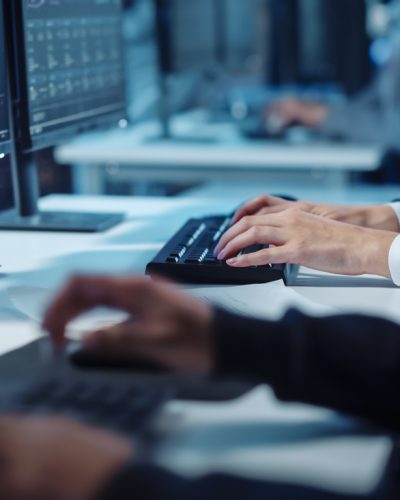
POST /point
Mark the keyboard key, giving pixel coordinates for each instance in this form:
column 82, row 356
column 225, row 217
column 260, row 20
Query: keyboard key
column 203, row 255
column 212, row 262
column 217, row 236
column 173, row 259
column 114, row 405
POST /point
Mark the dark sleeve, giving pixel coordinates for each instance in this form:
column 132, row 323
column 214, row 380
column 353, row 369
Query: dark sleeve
column 374, row 125
column 372, row 116
column 152, row 483
column 347, row 363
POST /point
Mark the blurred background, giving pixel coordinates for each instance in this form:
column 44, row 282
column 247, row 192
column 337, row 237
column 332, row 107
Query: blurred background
column 231, row 60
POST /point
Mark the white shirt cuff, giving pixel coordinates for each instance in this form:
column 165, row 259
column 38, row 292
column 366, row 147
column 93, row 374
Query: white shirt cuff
column 394, row 261
column 396, row 208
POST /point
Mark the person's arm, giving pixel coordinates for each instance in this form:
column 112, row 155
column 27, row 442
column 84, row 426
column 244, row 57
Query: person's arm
column 59, row 459
column 371, row 116
column 384, row 217
column 363, row 124
column 347, row 363
column 319, row 236
column 297, row 237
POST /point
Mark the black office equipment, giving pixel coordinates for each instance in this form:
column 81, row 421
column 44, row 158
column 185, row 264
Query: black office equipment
column 162, row 12
column 163, row 21
column 7, row 201
column 188, row 257
column 4, row 97
column 323, row 42
column 28, row 361
column 67, row 77
column 117, row 404
column 86, row 359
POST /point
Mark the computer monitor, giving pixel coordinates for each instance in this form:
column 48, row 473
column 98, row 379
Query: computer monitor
column 6, row 181
column 198, row 34
column 4, row 95
column 68, row 78
column 73, row 68
column 195, row 28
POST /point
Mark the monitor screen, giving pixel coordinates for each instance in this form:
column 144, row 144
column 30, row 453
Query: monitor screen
column 4, row 103
column 6, row 184
column 73, row 75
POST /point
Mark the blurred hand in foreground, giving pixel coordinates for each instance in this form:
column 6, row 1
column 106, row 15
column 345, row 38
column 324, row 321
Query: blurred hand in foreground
column 56, row 459
column 167, row 328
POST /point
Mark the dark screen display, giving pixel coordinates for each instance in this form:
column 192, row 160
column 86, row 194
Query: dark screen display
column 6, row 184
column 74, row 62
column 4, row 117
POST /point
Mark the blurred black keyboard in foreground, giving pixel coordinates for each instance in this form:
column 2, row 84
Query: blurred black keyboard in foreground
column 114, row 404
column 188, row 258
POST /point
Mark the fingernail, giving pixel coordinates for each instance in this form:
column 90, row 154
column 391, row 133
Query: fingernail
column 217, row 251
column 221, row 255
column 232, row 262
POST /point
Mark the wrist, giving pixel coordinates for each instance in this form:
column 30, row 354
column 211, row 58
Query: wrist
column 238, row 343
column 381, row 217
column 376, row 253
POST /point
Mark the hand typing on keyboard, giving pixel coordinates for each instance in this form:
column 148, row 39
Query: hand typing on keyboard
column 302, row 238
column 372, row 216
column 189, row 257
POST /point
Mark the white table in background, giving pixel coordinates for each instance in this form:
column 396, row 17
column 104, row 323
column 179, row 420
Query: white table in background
column 219, row 153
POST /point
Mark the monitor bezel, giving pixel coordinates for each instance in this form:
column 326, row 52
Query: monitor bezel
column 51, row 138
column 5, row 145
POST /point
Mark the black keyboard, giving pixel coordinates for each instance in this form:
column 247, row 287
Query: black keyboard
column 117, row 405
column 188, row 258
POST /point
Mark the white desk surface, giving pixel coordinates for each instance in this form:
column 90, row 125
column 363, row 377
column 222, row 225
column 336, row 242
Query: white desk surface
column 25, row 257
column 227, row 151
column 36, row 261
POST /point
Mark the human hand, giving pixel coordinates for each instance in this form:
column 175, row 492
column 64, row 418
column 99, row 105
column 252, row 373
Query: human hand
column 310, row 240
column 373, row 216
column 262, row 205
column 169, row 328
column 294, row 111
column 56, row 459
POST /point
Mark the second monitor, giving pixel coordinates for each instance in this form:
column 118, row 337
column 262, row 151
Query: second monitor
column 6, row 185
column 4, row 96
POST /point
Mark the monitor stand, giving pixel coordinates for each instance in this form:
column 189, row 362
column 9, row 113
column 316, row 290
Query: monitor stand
column 167, row 134
column 27, row 216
